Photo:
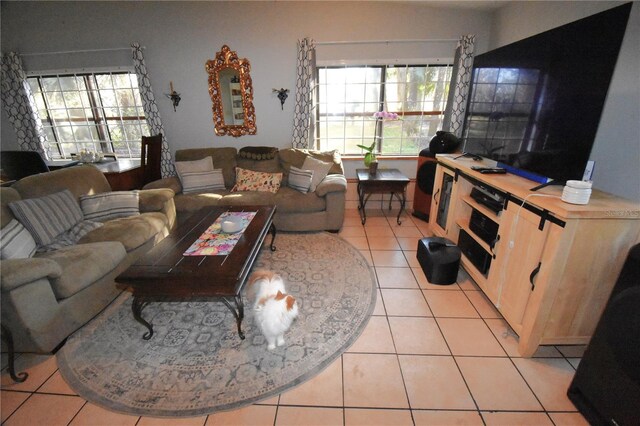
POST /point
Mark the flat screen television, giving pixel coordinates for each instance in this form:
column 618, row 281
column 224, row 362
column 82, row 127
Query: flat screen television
column 534, row 105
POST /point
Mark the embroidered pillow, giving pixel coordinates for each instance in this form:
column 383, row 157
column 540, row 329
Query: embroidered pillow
column 47, row 217
column 16, row 242
column 248, row 180
column 319, row 168
column 299, row 179
column 110, row 205
column 202, row 181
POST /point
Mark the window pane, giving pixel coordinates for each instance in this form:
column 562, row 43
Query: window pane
column 55, row 99
column 81, row 133
column 108, row 98
column 125, row 98
column 72, row 99
column 104, row 81
column 33, row 84
column 116, row 131
column 65, row 134
column 68, row 83
column 133, row 132
column 121, row 81
column 50, row 84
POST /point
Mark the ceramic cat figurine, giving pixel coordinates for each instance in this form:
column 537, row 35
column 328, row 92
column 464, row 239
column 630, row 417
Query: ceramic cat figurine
column 274, row 309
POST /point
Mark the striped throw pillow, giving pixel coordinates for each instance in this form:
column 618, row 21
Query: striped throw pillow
column 47, row 217
column 299, row 179
column 72, row 236
column 320, row 170
column 202, row 181
column 110, row 205
column 16, row 242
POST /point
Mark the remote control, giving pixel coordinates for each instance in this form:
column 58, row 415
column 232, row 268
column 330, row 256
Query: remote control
column 493, row 170
column 481, row 169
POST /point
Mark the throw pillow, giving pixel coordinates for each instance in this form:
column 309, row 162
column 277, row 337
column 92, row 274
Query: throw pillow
column 248, row 180
column 202, row 181
column 319, row 168
column 203, row 165
column 110, row 205
column 16, row 242
column 47, row 217
column 299, row 179
column 72, row 236
column 258, row 152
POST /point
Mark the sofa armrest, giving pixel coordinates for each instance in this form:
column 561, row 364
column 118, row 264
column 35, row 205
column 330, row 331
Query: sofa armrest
column 171, row 182
column 154, row 200
column 17, row 272
column 332, row 183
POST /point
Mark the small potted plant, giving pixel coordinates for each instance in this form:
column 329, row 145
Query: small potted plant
column 370, row 159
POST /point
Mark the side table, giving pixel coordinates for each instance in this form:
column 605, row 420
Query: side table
column 384, row 181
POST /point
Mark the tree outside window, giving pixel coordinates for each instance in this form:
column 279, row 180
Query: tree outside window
column 349, row 96
column 94, row 111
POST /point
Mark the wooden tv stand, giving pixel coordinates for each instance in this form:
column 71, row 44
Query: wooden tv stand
column 553, row 264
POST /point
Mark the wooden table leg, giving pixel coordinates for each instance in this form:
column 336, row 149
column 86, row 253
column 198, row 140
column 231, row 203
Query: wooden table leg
column 8, row 340
column 136, row 307
column 272, row 228
column 239, row 314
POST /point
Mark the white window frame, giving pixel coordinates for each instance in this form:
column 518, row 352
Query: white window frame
column 321, row 143
column 130, row 148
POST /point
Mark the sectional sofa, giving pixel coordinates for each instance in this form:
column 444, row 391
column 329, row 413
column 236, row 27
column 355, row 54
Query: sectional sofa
column 48, row 295
column 321, row 209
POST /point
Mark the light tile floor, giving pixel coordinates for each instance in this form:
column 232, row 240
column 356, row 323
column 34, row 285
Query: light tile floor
column 430, row 355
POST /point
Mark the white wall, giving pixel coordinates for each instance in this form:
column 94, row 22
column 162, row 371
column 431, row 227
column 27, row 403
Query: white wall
column 616, row 150
column 181, row 36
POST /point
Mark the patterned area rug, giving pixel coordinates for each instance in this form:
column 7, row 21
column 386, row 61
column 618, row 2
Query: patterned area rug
column 196, row 364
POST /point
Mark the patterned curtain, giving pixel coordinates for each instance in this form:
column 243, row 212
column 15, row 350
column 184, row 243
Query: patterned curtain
column 151, row 109
column 21, row 107
column 305, row 83
column 459, row 87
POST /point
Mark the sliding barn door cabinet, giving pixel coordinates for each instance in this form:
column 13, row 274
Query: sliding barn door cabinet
column 548, row 266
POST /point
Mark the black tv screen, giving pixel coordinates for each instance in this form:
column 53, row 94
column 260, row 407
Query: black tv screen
column 535, row 105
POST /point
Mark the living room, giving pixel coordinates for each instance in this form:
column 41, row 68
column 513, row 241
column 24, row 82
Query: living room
column 178, row 38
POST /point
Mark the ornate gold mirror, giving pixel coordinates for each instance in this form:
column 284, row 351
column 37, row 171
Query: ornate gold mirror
column 231, row 92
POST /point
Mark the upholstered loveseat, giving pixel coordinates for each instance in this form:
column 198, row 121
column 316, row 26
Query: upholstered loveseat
column 49, row 295
column 317, row 210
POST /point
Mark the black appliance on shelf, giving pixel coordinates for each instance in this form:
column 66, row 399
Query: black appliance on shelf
column 483, row 227
column 488, row 198
column 474, row 252
column 606, row 386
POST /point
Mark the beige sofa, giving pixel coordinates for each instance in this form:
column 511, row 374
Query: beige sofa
column 50, row 295
column 321, row 210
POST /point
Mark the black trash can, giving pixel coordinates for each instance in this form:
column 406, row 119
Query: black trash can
column 440, row 260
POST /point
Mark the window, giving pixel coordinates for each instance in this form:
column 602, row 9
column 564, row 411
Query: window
column 95, row 111
column 501, row 107
column 348, row 96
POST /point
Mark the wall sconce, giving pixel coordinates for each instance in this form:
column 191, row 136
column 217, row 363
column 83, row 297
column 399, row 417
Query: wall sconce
column 174, row 96
column 282, row 95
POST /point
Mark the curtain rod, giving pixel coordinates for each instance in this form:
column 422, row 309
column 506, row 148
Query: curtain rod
column 63, row 52
column 433, row 40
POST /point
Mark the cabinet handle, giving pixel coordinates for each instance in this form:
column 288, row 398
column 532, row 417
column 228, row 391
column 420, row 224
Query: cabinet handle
column 533, row 275
column 435, row 196
column 493, row 244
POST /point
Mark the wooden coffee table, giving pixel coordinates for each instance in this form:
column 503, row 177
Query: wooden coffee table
column 165, row 275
